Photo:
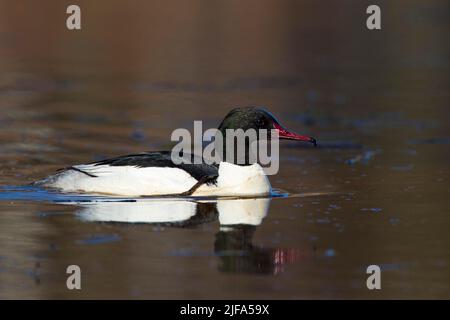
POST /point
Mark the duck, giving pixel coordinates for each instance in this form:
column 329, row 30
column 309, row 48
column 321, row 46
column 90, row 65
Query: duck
column 155, row 173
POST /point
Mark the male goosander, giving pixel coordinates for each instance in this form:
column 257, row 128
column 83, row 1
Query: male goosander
column 155, row 173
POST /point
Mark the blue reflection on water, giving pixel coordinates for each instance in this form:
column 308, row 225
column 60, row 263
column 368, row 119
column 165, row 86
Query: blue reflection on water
column 34, row 193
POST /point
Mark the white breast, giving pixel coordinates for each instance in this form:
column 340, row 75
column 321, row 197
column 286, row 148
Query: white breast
column 237, row 180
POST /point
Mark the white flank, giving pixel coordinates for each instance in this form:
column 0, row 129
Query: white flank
column 123, row 180
column 233, row 180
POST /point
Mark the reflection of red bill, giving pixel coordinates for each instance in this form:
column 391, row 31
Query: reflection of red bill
column 282, row 257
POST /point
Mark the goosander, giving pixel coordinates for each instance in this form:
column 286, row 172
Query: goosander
column 155, row 173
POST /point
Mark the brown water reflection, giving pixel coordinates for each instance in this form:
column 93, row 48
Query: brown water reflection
column 376, row 101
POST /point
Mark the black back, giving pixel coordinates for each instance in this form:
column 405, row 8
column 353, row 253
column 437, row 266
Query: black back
column 161, row 159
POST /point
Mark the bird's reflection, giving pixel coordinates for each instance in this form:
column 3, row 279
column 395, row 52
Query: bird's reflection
column 239, row 219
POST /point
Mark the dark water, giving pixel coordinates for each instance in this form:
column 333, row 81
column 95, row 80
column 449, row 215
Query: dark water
column 376, row 191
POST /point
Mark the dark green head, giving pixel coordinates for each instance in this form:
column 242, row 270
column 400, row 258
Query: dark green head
column 258, row 118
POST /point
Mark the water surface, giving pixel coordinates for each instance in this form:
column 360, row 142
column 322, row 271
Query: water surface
column 375, row 191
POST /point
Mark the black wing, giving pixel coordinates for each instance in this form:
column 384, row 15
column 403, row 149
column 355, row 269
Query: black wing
column 162, row 159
